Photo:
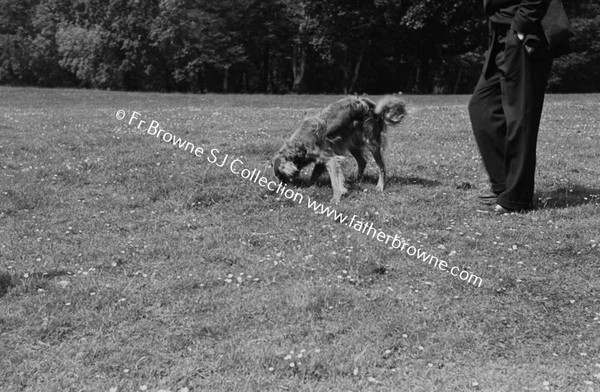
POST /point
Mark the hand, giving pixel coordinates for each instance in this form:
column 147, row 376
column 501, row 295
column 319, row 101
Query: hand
column 521, row 38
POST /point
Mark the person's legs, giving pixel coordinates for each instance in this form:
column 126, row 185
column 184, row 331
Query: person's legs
column 523, row 81
column 489, row 128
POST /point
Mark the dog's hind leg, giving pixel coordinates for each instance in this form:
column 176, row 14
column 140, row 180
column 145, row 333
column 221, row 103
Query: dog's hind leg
column 317, row 171
column 337, row 178
column 381, row 165
column 361, row 161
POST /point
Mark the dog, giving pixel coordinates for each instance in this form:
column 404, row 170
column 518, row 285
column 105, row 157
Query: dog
column 352, row 124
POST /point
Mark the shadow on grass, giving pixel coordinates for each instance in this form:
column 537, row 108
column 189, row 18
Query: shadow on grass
column 566, row 197
column 373, row 179
column 412, row 180
column 33, row 280
column 49, row 275
column 6, row 283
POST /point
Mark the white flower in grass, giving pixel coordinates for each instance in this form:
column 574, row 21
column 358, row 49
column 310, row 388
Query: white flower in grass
column 374, row 380
column 287, row 357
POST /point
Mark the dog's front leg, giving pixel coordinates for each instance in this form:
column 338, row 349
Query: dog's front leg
column 337, row 178
column 381, row 165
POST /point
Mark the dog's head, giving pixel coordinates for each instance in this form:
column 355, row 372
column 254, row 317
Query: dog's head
column 301, row 150
column 392, row 108
column 285, row 169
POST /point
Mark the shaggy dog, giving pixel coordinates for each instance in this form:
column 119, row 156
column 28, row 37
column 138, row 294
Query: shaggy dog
column 352, row 124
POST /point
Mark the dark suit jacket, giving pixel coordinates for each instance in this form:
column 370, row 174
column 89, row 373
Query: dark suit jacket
column 543, row 22
column 524, row 16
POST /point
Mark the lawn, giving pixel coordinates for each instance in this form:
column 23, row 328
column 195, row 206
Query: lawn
column 130, row 264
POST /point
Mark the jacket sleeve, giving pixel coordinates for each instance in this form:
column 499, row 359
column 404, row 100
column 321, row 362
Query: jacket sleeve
column 530, row 12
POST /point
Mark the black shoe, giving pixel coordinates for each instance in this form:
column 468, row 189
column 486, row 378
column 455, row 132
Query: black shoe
column 488, row 197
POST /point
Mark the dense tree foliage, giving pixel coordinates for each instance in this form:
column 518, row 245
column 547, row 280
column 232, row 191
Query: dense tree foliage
column 272, row 46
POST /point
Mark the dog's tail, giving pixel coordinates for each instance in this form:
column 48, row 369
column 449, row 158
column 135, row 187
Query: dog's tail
column 391, row 108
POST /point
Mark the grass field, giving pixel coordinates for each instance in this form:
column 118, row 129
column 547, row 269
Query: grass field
column 129, row 264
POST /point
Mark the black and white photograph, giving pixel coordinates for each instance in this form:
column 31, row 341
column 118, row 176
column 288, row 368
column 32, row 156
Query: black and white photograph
column 290, row 196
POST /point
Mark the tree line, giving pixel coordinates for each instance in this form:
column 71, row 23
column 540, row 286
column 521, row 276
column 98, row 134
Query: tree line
column 268, row 46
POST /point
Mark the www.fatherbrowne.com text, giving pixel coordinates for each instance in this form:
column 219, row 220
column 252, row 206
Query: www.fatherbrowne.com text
column 236, row 166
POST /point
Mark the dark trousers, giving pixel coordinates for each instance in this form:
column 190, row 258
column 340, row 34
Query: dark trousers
column 505, row 111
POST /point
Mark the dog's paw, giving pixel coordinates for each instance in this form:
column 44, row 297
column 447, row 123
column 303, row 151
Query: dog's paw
column 335, row 200
column 380, row 187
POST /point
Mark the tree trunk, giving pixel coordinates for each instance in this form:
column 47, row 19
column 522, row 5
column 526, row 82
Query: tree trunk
column 346, row 77
column 458, row 78
column 415, row 87
column 298, row 66
column 201, row 80
column 361, row 56
column 225, row 79
column 425, row 55
column 274, row 79
column 266, row 70
column 244, row 83
column 346, row 72
column 424, row 82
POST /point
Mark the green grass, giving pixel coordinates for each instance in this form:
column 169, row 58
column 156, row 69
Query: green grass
column 116, row 252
